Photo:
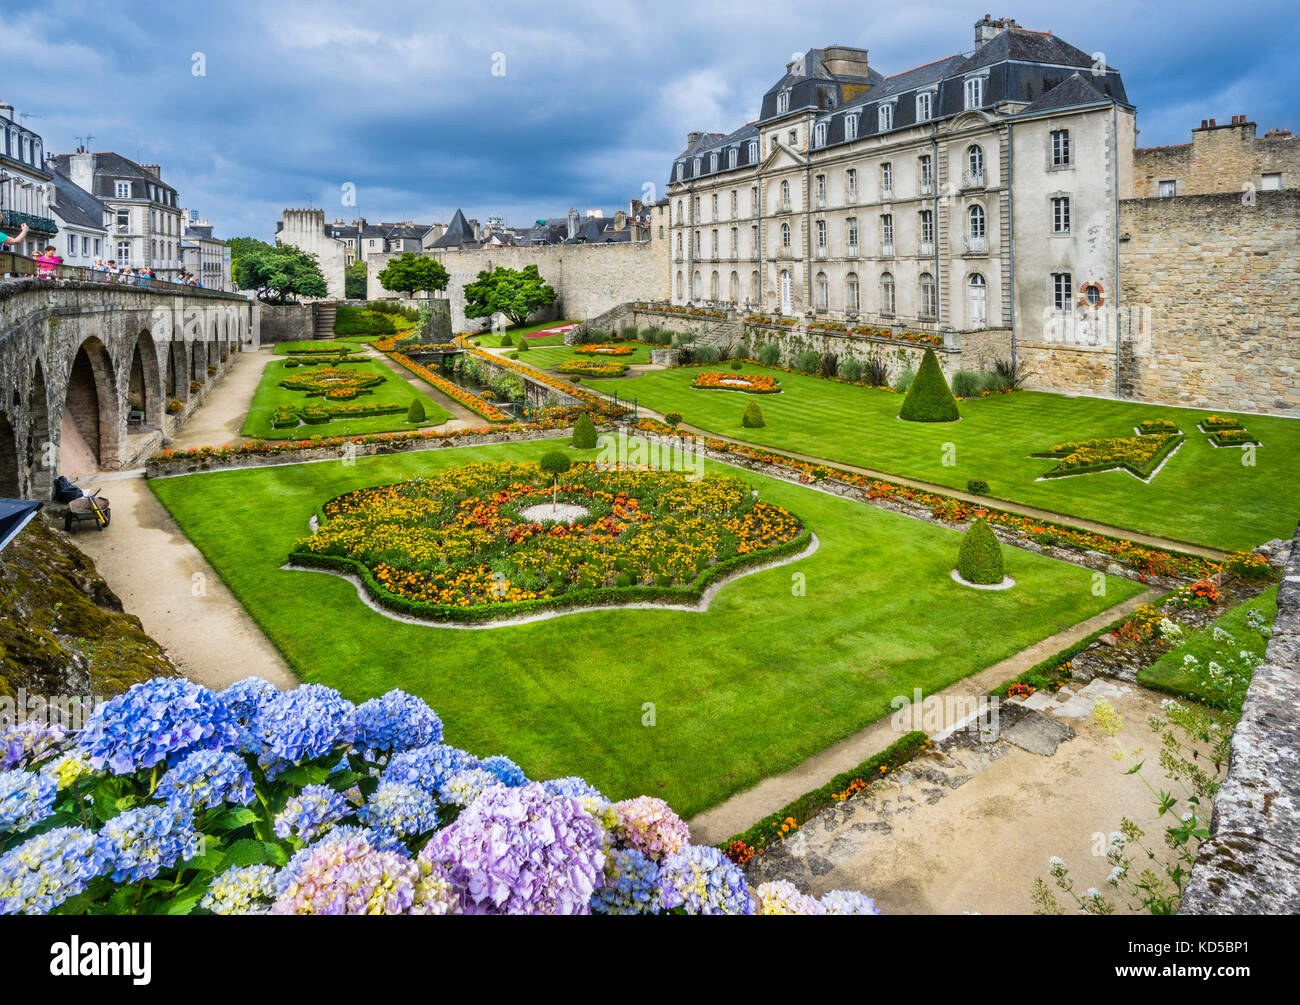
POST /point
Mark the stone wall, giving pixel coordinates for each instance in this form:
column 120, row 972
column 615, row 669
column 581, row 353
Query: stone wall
column 589, row 279
column 1220, row 158
column 1250, row 864
column 305, row 229
column 285, row 322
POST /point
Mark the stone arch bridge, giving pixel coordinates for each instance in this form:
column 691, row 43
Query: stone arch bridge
column 98, row 376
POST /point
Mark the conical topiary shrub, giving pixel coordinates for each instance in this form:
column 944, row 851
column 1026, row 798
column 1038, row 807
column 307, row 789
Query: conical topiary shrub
column 929, row 399
column 753, row 417
column 584, row 432
column 980, row 558
column 416, row 412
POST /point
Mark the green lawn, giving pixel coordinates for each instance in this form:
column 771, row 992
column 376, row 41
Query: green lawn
column 1168, row 673
column 1203, row 494
column 270, row 396
column 282, row 348
column 753, row 686
column 494, row 341
column 548, row 357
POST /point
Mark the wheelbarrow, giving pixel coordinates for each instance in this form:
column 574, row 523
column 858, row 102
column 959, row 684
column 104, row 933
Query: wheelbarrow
column 93, row 508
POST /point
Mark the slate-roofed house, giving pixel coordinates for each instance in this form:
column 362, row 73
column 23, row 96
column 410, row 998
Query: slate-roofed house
column 459, row 234
column 907, row 198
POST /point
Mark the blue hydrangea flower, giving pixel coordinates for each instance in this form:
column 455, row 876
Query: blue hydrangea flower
column 26, row 798
column 464, row 787
column 702, row 880
column 247, row 889
column 208, row 778
column 310, row 812
column 848, row 902
column 158, row 721
column 400, row 808
column 573, row 787
column 396, row 722
column 507, row 772
column 302, row 724
column 40, row 874
column 382, row 840
column 245, row 699
column 24, row 743
column 149, row 839
column 631, row 885
column 428, row 767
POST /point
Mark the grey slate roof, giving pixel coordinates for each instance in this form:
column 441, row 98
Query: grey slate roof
column 458, row 232
column 111, row 167
column 1075, row 91
column 76, row 206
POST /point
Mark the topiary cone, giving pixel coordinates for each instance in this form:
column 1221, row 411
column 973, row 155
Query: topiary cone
column 980, row 558
column 929, row 399
column 584, row 433
column 753, row 417
column 416, row 412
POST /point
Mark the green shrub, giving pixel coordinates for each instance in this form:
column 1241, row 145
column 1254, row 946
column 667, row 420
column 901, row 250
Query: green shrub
column 649, row 335
column 929, row 398
column 808, row 361
column 980, row 558
column 522, row 344
column 966, row 384
column 737, row 365
column 850, row 369
column 706, row 354
column 584, row 432
column 877, row 372
column 416, row 412
column 673, row 419
column 994, row 381
column 978, row 487
column 830, row 364
column 753, row 417
column 554, row 463
column 904, row 379
column 769, row 354
column 630, row 332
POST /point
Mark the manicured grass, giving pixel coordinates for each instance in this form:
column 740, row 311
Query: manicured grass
column 1169, row 674
column 552, row 356
column 1203, row 494
column 283, row 348
column 494, row 341
column 783, row 664
column 270, row 396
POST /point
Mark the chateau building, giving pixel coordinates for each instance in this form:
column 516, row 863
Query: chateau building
column 977, row 191
column 25, row 185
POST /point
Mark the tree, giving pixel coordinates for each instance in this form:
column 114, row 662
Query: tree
column 979, row 560
column 929, row 399
column 416, row 412
column 584, row 433
column 516, row 293
column 753, row 417
column 411, row 272
column 554, row 464
column 281, row 274
column 241, row 246
column 354, row 281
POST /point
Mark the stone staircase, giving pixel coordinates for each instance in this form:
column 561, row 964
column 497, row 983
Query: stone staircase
column 323, row 315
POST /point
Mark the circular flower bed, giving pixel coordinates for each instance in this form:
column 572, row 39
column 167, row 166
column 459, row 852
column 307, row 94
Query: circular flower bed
column 748, row 383
column 323, row 380
column 456, row 546
column 605, row 350
column 593, row 368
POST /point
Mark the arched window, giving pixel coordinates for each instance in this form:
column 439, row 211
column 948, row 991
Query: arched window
column 975, row 165
column 753, row 151
column 782, row 102
column 681, row 171
column 681, row 212
column 681, row 292
column 887, row 294
column 715, row 292
column 821, row 291
column 785, row 195
column 735, row 288
column 977, row 301
column 927, row 295
column 696, row 284
column 886, row 117
column 853, row 297
column 713, row 162
column 850, row 127
column 785, row 236
column 819, row 135
column 976, row 216
column 753, row 287
column 733, row 155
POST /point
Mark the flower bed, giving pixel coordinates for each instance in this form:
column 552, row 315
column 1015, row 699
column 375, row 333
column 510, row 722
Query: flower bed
column 1149, row 426
column 593, row 368
column 1233, row 437
column 455, row 546
column 1220, row 422
column 314, row 413
column 327, row 379
column 176, row 799
column 454, row 391
column 745, row 383
column 320, row 350
column 1139, row 455
column 593, row 403
column 605, row 350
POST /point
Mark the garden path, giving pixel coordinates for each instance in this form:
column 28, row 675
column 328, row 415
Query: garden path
column 221, row 416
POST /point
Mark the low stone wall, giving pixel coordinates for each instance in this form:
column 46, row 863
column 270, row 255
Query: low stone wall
column 285, row 322
column 1250, row 864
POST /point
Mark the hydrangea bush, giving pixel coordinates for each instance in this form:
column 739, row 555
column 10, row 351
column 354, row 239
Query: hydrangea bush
column 175, row 799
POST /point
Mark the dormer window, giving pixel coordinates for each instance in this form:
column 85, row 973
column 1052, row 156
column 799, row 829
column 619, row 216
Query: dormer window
column 733, row 155
column 753, row 151
column 681, row 171
column 713, row 162
column 850, row 127
column 819, row 135
column 974, row 92
column 698, row 164
column 925, row 106
column 886, row 117
column 782, row 102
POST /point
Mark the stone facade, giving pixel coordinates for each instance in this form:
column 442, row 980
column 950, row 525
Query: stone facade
column 305, row 229
column 1220, row 158
column 284, row 322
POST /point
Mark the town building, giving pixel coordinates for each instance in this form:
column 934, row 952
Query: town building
column 83, row 230
column 24, row 185
column 204, row 256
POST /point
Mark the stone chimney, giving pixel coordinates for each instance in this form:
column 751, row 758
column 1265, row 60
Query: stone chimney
column 846, row 61
column 988, row 28
column 574, row 220
column 692, row 139
column 81, row 169
column 6, row 111
column 620, row 220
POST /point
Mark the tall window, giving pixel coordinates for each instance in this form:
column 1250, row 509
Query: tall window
column 1060, row 147
column 735, row 241
column 713, row 162
column 753, row 241
column 697, row 244
column 713, row 206
column 715, row 291
column 681, row 212
column 753, row 201
column 887, row 294
column 735, row 204
column 886, row 179
column 975, row 165
column 974, row 92
column 821, row 291
column 851, row 182
column 821, row 190
column 735, row 287
column 887, row 232
column 123, row 252
column 924, row 106
column 679, row 247
column 1062, row 291
column 753, row 287
column 852, row 297
column 714, row 244
column 927, row 295
column 681, row 290
column 733, row 155
column 927, row 228
column 821, row 237
column 753, row 151
column 697, row 208
column 782, row 102
column 851, row 235
column 976, row 218
column 785, row 236
column 785, row 195
column 122, row 189
column 819, row 134
column 850, row 127
column 1061, row 215
column 886, row 117
column 927, row 173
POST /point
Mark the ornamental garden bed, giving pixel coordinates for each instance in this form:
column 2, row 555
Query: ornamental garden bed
column 467, row 546
column 752, row 383
column 1141, row 456
column 593, row 368
column 1226, row 431
column 604, row 350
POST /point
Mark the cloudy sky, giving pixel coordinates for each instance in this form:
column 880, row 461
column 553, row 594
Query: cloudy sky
column 523, row 109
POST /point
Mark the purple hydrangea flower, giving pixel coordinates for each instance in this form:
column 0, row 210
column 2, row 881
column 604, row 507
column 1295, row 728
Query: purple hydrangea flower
column 631, row 885
column 649, row 825
column 507, row 772
column 783, row 897
column 26, row 798
column 40, row 874
column 158, row 721
column 383, row 840
column 302, row 724
column 24, row 743
column 429, row 767
column 401, row 809
column 396, row 722
column 149, row 839
column 311, row 812
column 848, row 902
column 702, row 880
column 521, row 851
column 208, row 778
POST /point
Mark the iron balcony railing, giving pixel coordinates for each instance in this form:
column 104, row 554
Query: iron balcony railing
column 13, row 221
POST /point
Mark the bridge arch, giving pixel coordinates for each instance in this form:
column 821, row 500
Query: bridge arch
column 39, row 454
column 10, row 486
column 92, row 423
column 178, row 371
column 145, row 380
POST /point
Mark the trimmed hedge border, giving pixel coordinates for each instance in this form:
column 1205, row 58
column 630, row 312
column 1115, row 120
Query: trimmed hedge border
column 612, row 597
column 767, row 830
column 1175, row 441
